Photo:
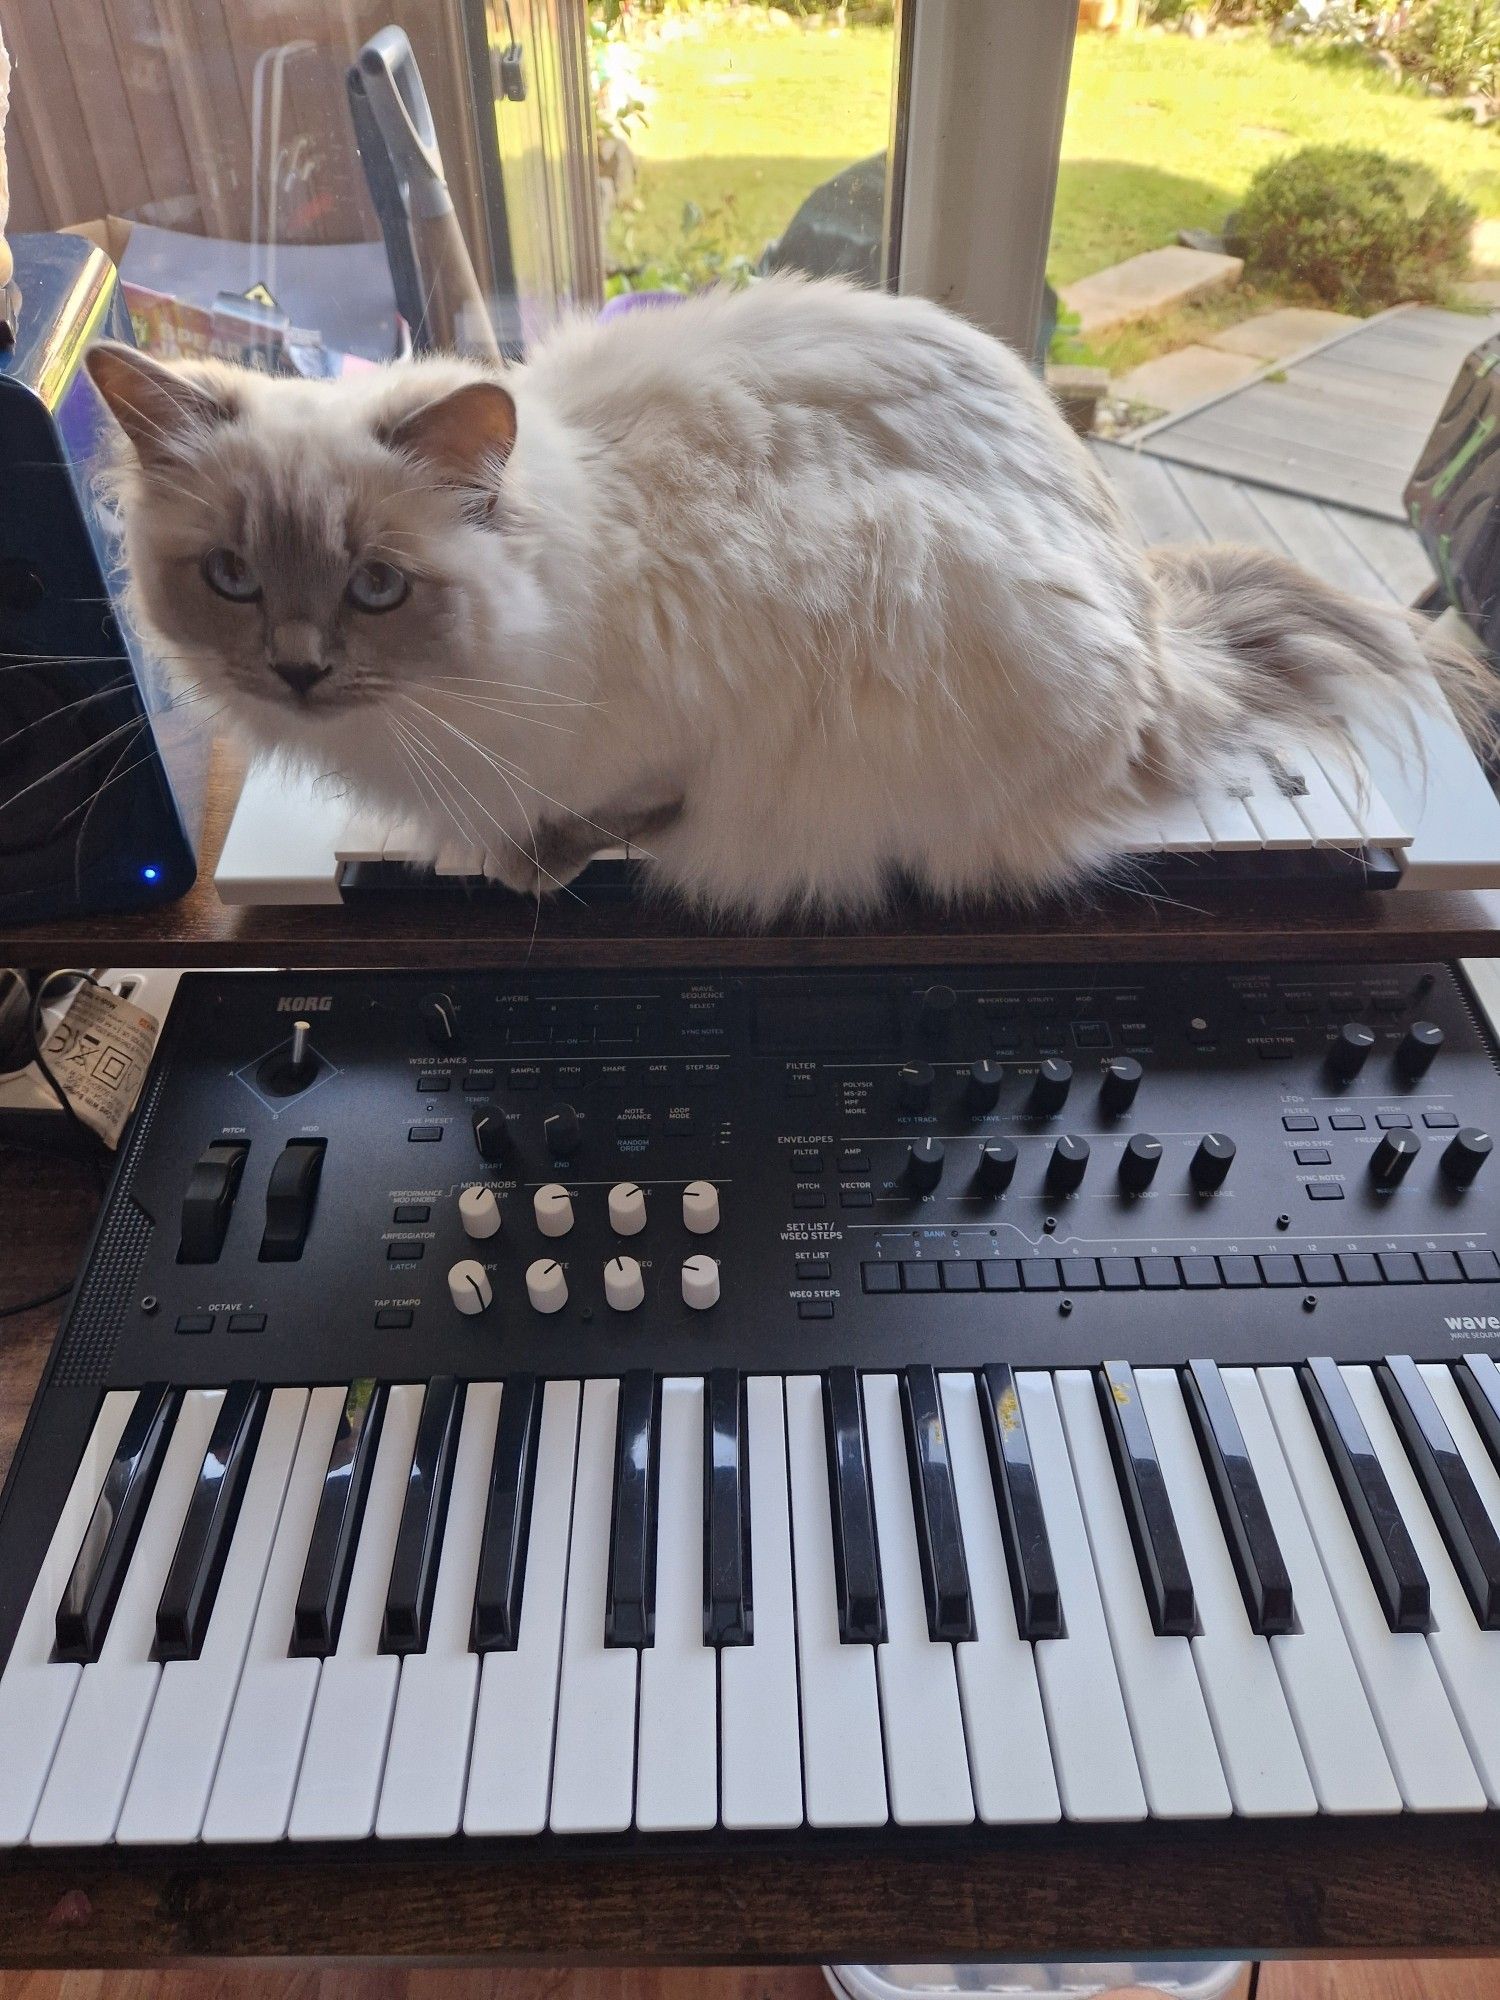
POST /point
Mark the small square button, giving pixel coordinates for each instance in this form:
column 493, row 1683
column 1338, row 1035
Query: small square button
column 1239, row 1270
column 404, row 1252
column 806, row 1159
column 479, row 1079
column 1346, row 1121
column 424, row 1135
column 430, row 1082
column 1299, row 1121
column 1400, row 1267
column 815, row 1308
column 1359, row 1267
column 1439, row 1121
column 853, row 1160
column 1439, row 1267
column 1325, row 1190
column 1199, row 1273
column 920, row 1277
column 390, row 1318
column 1119, row 1274
column 800, row 1084
column 1000, row 1274
column 195, row 1323
column 1393, row 1121
column 1314, row 1156
column 809, row 1197
column 411, row 1211
column 960, row 1275
column 1040, row 1274
column 1479, row 1266
column 1080, row 1274
column 854, row 1196
column 523, row 1076
column 1160, row 1274
column 1322, row 1270
column 821, row 1267
column 247, row 1322
column 877, row 1277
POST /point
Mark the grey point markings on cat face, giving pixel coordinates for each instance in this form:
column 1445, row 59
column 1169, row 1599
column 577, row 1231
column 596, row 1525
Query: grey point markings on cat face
column 808, row 588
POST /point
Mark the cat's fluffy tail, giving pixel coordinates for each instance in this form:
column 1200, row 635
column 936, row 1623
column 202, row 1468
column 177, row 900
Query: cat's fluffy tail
column 1260, row 653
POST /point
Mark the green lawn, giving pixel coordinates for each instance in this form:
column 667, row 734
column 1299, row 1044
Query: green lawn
column 1162, row 133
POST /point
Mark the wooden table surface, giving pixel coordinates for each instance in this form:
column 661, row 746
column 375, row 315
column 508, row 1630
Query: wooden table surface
column 1380, row 1886
column 1106, row 928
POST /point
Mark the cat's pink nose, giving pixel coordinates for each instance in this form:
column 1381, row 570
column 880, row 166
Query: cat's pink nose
column 301, row 676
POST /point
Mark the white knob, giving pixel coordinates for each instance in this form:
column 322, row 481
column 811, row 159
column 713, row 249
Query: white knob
column 469, row 1286
column 479, row 1212
column 624, row 1287
column 547, row 1285
column 627, row 1209
column 700, row 1207
column 700, row 1283
column 553, row 1206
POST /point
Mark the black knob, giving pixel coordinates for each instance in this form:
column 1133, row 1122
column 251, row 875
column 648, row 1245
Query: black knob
column 983, row 1090
column 1465, row 1153
column 1139, row 1162
column 438, row 1013
column 1211, row 1162
column 1348, row 1049
column 1122, row 1079
column 924, row 1165
column 914, row 1086
column 1393, row 1156
column 1049, row 1093
column 935, row 1016
column 562, row 1132
column 490, row 1135
column 1069, row 1163
column 1419, row 1045
column 997, row 1166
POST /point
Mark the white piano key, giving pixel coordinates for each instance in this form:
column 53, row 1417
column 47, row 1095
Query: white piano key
column 1315, row 802
column 1231, row 827
column 1010, row 1760
column 1278, row 821
column 282, row 840
column 1257, row 1740
column 1363, row 800
column 339, row 1783
column 593, row 1767
column 361, row 839
column 179, row 1754
column 1467, row 1657
column 1339, row 1736
column 760, row 1745
column 36, row 1691
column 1422, row 1739
column 407, row 843
column 427, row 1761
column 1174, row 1740
column 842, row 1760
column 927, row 1766
column 456, row 857
column 86, row 1786
column 510, row 1762
column 677, row 1769
column 257, row 1775
column 1097, row 1773
column 1181, row 826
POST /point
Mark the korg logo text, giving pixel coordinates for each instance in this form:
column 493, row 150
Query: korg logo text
column 1480, row 1323
column 305, row 1003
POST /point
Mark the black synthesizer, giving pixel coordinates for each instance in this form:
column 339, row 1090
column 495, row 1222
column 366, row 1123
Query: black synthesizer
column 666, row 1404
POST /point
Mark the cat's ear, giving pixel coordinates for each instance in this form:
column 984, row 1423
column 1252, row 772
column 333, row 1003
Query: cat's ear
column 465, row 436
column 161, row 411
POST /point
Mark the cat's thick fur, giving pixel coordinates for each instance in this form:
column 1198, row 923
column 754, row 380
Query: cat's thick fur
column 807, row 588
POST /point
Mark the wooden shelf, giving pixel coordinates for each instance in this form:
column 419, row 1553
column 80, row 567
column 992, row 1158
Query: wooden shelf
column 1220, row 924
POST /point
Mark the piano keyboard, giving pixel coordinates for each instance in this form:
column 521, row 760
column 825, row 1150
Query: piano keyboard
column 1429, row 814
column 922, row 1596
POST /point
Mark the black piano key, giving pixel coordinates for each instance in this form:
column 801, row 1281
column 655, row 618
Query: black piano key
column 856, row 1552
column 1253, row 1548
column 728, row 1613
column 1478, row 1382
column 341, row 1509
column 1397, row 1574
column 187, row 1598
column 1023, row 1525
column 507, row 1517
column 88, row 1601
column 424, row 1513
column 940, row 1547
column 630, row 1599
column 1148, row 1507
column 1447, row 1483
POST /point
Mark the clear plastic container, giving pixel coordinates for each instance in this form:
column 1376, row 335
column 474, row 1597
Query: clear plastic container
column 1181, row 1979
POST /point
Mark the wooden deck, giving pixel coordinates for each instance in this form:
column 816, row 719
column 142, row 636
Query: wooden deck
column 1166, row 502
column 1343, row 423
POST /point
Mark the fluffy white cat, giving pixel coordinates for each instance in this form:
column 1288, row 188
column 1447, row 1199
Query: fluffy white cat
column 804, row 588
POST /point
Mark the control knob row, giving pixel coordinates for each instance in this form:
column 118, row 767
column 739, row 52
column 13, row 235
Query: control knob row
column 552, row 1205
column 1049, row 1090
column 1414, row 1053
column 1462, row 1158
column 470, row 1289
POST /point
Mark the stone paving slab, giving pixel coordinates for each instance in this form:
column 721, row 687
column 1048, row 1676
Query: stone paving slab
column 1150, row 284
column 1272, row 336
column 1173, row 381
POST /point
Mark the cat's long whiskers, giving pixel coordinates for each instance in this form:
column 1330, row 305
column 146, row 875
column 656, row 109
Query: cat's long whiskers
column 454, row 811
column 546, row 697
column 435, row 758
column 135, row 723
column 492, row 707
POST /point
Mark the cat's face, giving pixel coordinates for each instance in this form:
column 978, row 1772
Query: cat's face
column 301, row 556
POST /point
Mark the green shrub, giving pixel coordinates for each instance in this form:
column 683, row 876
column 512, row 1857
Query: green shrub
column 1454, row 43
column 1359, row 229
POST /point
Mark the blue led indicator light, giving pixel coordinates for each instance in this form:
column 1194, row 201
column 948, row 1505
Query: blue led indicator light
column 149, row 874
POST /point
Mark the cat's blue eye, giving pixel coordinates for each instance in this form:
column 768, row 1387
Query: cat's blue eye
column 377, row 586
column 231, row 576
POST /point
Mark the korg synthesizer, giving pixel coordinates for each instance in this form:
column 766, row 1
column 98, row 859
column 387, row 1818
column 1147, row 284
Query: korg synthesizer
column 502, row 1405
